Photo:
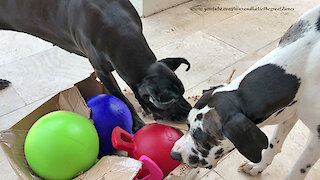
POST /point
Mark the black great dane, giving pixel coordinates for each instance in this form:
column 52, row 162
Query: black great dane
column 109, row 34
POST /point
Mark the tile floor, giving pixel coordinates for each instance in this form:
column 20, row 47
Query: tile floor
column 215, row 42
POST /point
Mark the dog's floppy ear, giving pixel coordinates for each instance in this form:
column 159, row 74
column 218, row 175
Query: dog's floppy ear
column 174, row 63
column 246, row 136
column 212, row 89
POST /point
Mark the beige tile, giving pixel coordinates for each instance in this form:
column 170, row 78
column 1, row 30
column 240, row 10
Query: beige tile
column 240, row 66
column 281, row 164
column 16, row 45
column 175, row 23
column 202, row 172
column 206, row 54
column 212, row 175
column 249, row 31
column 10, row 100
column 8, row 120
column 122, row 84
column 184, row 172
column 38, row 76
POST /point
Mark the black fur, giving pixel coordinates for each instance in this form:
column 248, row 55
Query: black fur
column 199, row 116
column 231, row 150
column 280, row 111
column 194, row 151
column 203, row 101
column 204, row 152
column 193, row 159
column 245, row 136
column 266, row 90
column 261, row 93
column 174, row 63
column 292, row 103
column 109, row 34
column 318, row 24
column 203, row 139
column 205, row 98
column 318, row 129
column 4, row 83
column 203, row 162
column 219, row 152
column 295, row 32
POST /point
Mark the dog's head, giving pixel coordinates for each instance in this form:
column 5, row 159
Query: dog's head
column 212, row 135
column 162, row 91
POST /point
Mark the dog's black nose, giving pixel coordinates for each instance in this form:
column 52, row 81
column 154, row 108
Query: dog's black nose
column 176, row 156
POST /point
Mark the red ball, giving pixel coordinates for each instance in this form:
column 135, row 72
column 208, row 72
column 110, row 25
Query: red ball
column 153, row 140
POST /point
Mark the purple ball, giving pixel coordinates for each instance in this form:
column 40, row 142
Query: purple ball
column 108, row 112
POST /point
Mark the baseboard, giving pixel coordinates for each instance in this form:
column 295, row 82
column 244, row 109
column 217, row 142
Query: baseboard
column 149, row 7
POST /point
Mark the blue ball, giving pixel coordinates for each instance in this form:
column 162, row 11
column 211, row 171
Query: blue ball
column 108, row 112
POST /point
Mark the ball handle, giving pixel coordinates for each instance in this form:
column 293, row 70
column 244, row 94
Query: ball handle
column 150, row 166
column 122, row 140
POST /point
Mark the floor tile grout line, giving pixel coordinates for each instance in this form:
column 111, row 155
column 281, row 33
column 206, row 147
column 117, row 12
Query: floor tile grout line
column 164, row 10
column 220, row 175
column 209, row 172
column 188, row 34
column 231, row 65
column 15, row 90
column 206, row 32
column 27, row 104
column 213, row 75
column 31, row 55
column 225, row 42
column 13, row 86
column 203, row 175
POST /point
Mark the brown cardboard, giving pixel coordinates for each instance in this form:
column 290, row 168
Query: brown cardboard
column 112, row 167
column 72, row 99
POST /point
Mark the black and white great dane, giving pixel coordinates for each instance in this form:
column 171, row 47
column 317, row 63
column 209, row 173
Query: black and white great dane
column 109, row 34
column 279, row 89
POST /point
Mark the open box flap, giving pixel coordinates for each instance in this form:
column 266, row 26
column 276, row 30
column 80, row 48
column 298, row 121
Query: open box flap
column 112, row 167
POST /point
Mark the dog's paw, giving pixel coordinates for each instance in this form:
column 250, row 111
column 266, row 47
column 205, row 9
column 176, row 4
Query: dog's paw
column 4, row 84
column 252, row 169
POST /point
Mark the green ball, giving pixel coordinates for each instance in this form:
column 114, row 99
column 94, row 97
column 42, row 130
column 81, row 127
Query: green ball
column 61, row 144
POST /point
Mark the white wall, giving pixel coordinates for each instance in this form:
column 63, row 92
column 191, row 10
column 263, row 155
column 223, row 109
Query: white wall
column 148, row 7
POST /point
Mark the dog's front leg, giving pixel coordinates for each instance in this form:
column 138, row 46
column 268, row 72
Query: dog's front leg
column 275, row 145
column 110, row 83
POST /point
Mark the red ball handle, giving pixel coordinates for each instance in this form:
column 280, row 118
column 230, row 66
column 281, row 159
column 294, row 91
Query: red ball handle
column 122, row 140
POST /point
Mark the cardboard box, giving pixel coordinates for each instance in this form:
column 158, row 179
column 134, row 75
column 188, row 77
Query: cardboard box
column 73, row 99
